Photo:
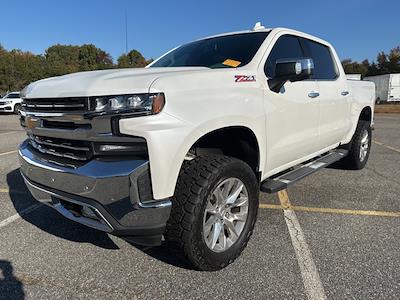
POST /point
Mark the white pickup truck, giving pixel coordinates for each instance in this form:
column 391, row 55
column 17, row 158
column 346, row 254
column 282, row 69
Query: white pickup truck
column 180, row 149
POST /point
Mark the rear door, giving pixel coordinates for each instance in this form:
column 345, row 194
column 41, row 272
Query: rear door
column 334, row 97
column 292, row 115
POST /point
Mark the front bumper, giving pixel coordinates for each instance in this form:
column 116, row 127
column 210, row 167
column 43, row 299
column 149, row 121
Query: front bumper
column 6, row 108
column 102, row 194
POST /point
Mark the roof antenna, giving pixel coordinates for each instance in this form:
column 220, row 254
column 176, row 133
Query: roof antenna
column 258, row 26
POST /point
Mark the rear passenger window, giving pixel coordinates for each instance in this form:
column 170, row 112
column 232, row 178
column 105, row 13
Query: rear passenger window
column 287, row 46
column 324, row 65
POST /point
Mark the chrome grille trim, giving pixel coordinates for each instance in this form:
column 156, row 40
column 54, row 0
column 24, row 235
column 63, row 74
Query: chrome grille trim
column 50, row 142
column 73, row 104
column 61, row 148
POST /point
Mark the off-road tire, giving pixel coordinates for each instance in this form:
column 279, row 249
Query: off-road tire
column 352, row 161
column 197, row 179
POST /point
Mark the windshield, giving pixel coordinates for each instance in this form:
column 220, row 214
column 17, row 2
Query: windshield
column 11, row 96
column 229, row 51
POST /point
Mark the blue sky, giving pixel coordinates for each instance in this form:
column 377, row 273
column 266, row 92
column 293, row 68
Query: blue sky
column 357, row 29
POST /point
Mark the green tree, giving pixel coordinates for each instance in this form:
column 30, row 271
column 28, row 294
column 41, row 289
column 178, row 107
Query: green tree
column 353, row 67
column 383, row 63
column 62, row 59
column 93, row 58
column 18, row 68
column 373, row 70
column 134, row 59
column 394, row 60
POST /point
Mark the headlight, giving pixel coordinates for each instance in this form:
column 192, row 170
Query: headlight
column 145, row 103
column 7, row 102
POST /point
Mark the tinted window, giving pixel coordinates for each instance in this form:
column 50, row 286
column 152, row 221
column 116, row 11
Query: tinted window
column 324, row 66
column 219, row 52
column 287, row 46
column 13, row 96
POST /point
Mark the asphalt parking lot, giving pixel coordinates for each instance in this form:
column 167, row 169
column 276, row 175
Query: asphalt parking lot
column 345, row 244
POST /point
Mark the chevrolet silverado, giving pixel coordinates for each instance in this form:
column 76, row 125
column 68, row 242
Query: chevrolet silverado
column 179, row 150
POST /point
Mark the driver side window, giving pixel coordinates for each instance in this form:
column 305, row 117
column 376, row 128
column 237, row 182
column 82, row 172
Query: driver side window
column 287, row 46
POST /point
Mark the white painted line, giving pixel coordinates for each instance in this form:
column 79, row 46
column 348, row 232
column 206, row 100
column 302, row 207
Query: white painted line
column 309, row 273
column 10, row 132
column 386, row 146
column 9, row 152
column 19, row 215
column 311, row 280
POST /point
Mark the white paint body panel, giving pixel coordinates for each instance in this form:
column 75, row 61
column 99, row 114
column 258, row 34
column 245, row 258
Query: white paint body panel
column 199, row 100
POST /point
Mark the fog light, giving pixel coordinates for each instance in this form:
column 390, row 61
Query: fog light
column 114, row 148
column 129, row 148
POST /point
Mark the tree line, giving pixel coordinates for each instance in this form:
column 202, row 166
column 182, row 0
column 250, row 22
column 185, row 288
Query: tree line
column 384, row 64
column 19, row 68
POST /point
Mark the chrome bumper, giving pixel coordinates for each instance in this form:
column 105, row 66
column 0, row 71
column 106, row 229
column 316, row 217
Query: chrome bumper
column 102, row 194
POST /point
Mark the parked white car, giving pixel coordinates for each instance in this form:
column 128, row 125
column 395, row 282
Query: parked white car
column 181, row 148
column 11, row 103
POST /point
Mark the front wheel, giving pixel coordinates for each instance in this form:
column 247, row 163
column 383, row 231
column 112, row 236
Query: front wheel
column 214, row 210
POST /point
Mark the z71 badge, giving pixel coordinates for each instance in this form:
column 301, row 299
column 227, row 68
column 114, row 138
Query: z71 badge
column 245, row 78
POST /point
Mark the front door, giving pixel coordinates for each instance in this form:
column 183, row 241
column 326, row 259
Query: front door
column 292, row 115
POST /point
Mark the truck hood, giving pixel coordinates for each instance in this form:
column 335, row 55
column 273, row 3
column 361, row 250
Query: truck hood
column 98, row 83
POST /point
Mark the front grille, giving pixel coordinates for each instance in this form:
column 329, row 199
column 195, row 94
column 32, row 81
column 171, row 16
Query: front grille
column 73, row 104
column 70, row 149
column 65, row 125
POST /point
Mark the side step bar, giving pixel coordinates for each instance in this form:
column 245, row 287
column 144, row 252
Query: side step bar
column 282, row 181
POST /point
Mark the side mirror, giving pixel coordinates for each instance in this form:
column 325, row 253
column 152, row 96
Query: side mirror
column 290, row 70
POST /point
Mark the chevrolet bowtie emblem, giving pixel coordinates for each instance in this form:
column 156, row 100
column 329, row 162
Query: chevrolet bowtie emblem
column 31, row 122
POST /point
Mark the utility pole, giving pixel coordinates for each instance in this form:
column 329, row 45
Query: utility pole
column 126, row 32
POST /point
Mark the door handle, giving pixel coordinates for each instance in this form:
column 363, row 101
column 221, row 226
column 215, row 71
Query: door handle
column 313, row 94
column 344, row 93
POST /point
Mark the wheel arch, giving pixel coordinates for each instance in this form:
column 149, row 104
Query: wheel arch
column 236, row 141
column 366, row 114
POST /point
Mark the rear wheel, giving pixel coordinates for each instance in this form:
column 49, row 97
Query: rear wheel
column 360, row 147
column 214, row 210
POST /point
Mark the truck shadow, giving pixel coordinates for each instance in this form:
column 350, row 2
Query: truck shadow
column 48, row 220
column 10, row 286
column 167, row 253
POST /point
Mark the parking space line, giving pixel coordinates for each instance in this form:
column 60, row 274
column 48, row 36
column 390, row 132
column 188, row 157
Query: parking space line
column 386, row 146
column 10, row 132
column 17, row 216
column 340, row 211
column 9, row 152
column 7, row 191
column 309, row 273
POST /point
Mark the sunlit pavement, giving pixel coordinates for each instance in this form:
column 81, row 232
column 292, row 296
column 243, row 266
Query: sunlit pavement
column 345, row 243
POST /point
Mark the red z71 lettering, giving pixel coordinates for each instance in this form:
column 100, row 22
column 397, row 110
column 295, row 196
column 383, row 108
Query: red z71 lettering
column 245, row 78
